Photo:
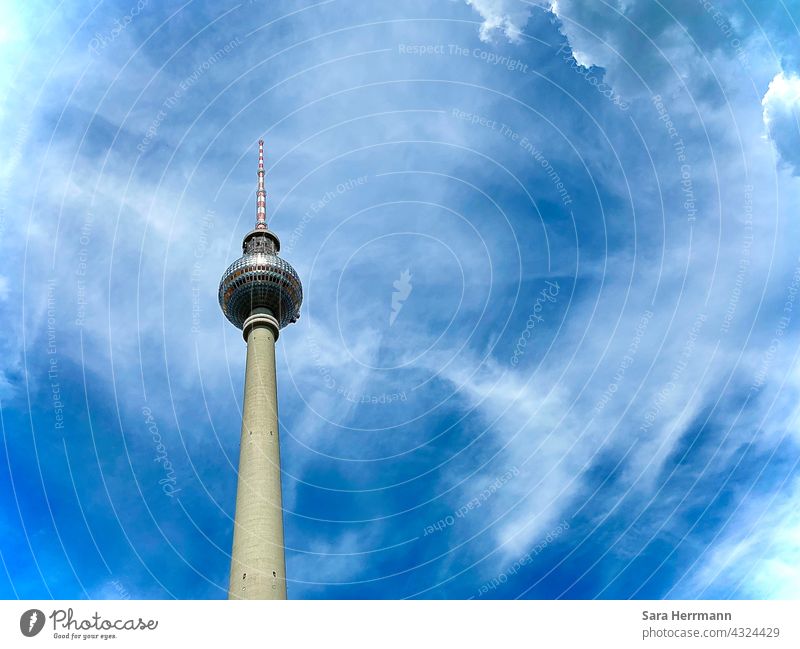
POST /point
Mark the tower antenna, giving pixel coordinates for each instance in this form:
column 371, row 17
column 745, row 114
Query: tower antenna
column 261, row 194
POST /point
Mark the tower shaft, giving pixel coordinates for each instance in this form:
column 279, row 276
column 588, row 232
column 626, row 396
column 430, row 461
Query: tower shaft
column 258, row 566
column 259, row 293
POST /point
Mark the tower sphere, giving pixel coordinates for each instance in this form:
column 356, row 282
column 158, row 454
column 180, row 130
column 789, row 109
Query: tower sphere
column 260, row 279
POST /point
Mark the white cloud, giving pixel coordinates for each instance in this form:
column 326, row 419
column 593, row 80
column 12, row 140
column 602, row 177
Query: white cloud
column 679, row 49
column 782, row 118
column 548, row 418
column 506, row 16
column 758, row 557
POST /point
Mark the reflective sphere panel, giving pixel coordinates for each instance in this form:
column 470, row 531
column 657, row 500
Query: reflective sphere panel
column 260, row 281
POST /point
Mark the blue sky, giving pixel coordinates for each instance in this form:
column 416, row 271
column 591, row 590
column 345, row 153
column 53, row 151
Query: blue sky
column 548, row 347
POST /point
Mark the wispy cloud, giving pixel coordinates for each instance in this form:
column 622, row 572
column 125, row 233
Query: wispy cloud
column 643, row 401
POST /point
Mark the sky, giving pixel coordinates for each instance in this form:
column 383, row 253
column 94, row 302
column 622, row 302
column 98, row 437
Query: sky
column 549, row 339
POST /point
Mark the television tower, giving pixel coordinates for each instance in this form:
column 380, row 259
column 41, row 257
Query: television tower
column 260, row 294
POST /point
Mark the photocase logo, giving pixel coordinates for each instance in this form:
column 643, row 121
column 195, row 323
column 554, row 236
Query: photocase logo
column 402, row 289
column 31, row 622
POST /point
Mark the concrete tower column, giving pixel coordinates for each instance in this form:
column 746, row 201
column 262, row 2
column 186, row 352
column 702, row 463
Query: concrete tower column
column 258, row 566
column 260, row 293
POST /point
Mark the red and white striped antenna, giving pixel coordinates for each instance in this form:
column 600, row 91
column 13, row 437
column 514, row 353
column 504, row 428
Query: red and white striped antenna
column 261, row 194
